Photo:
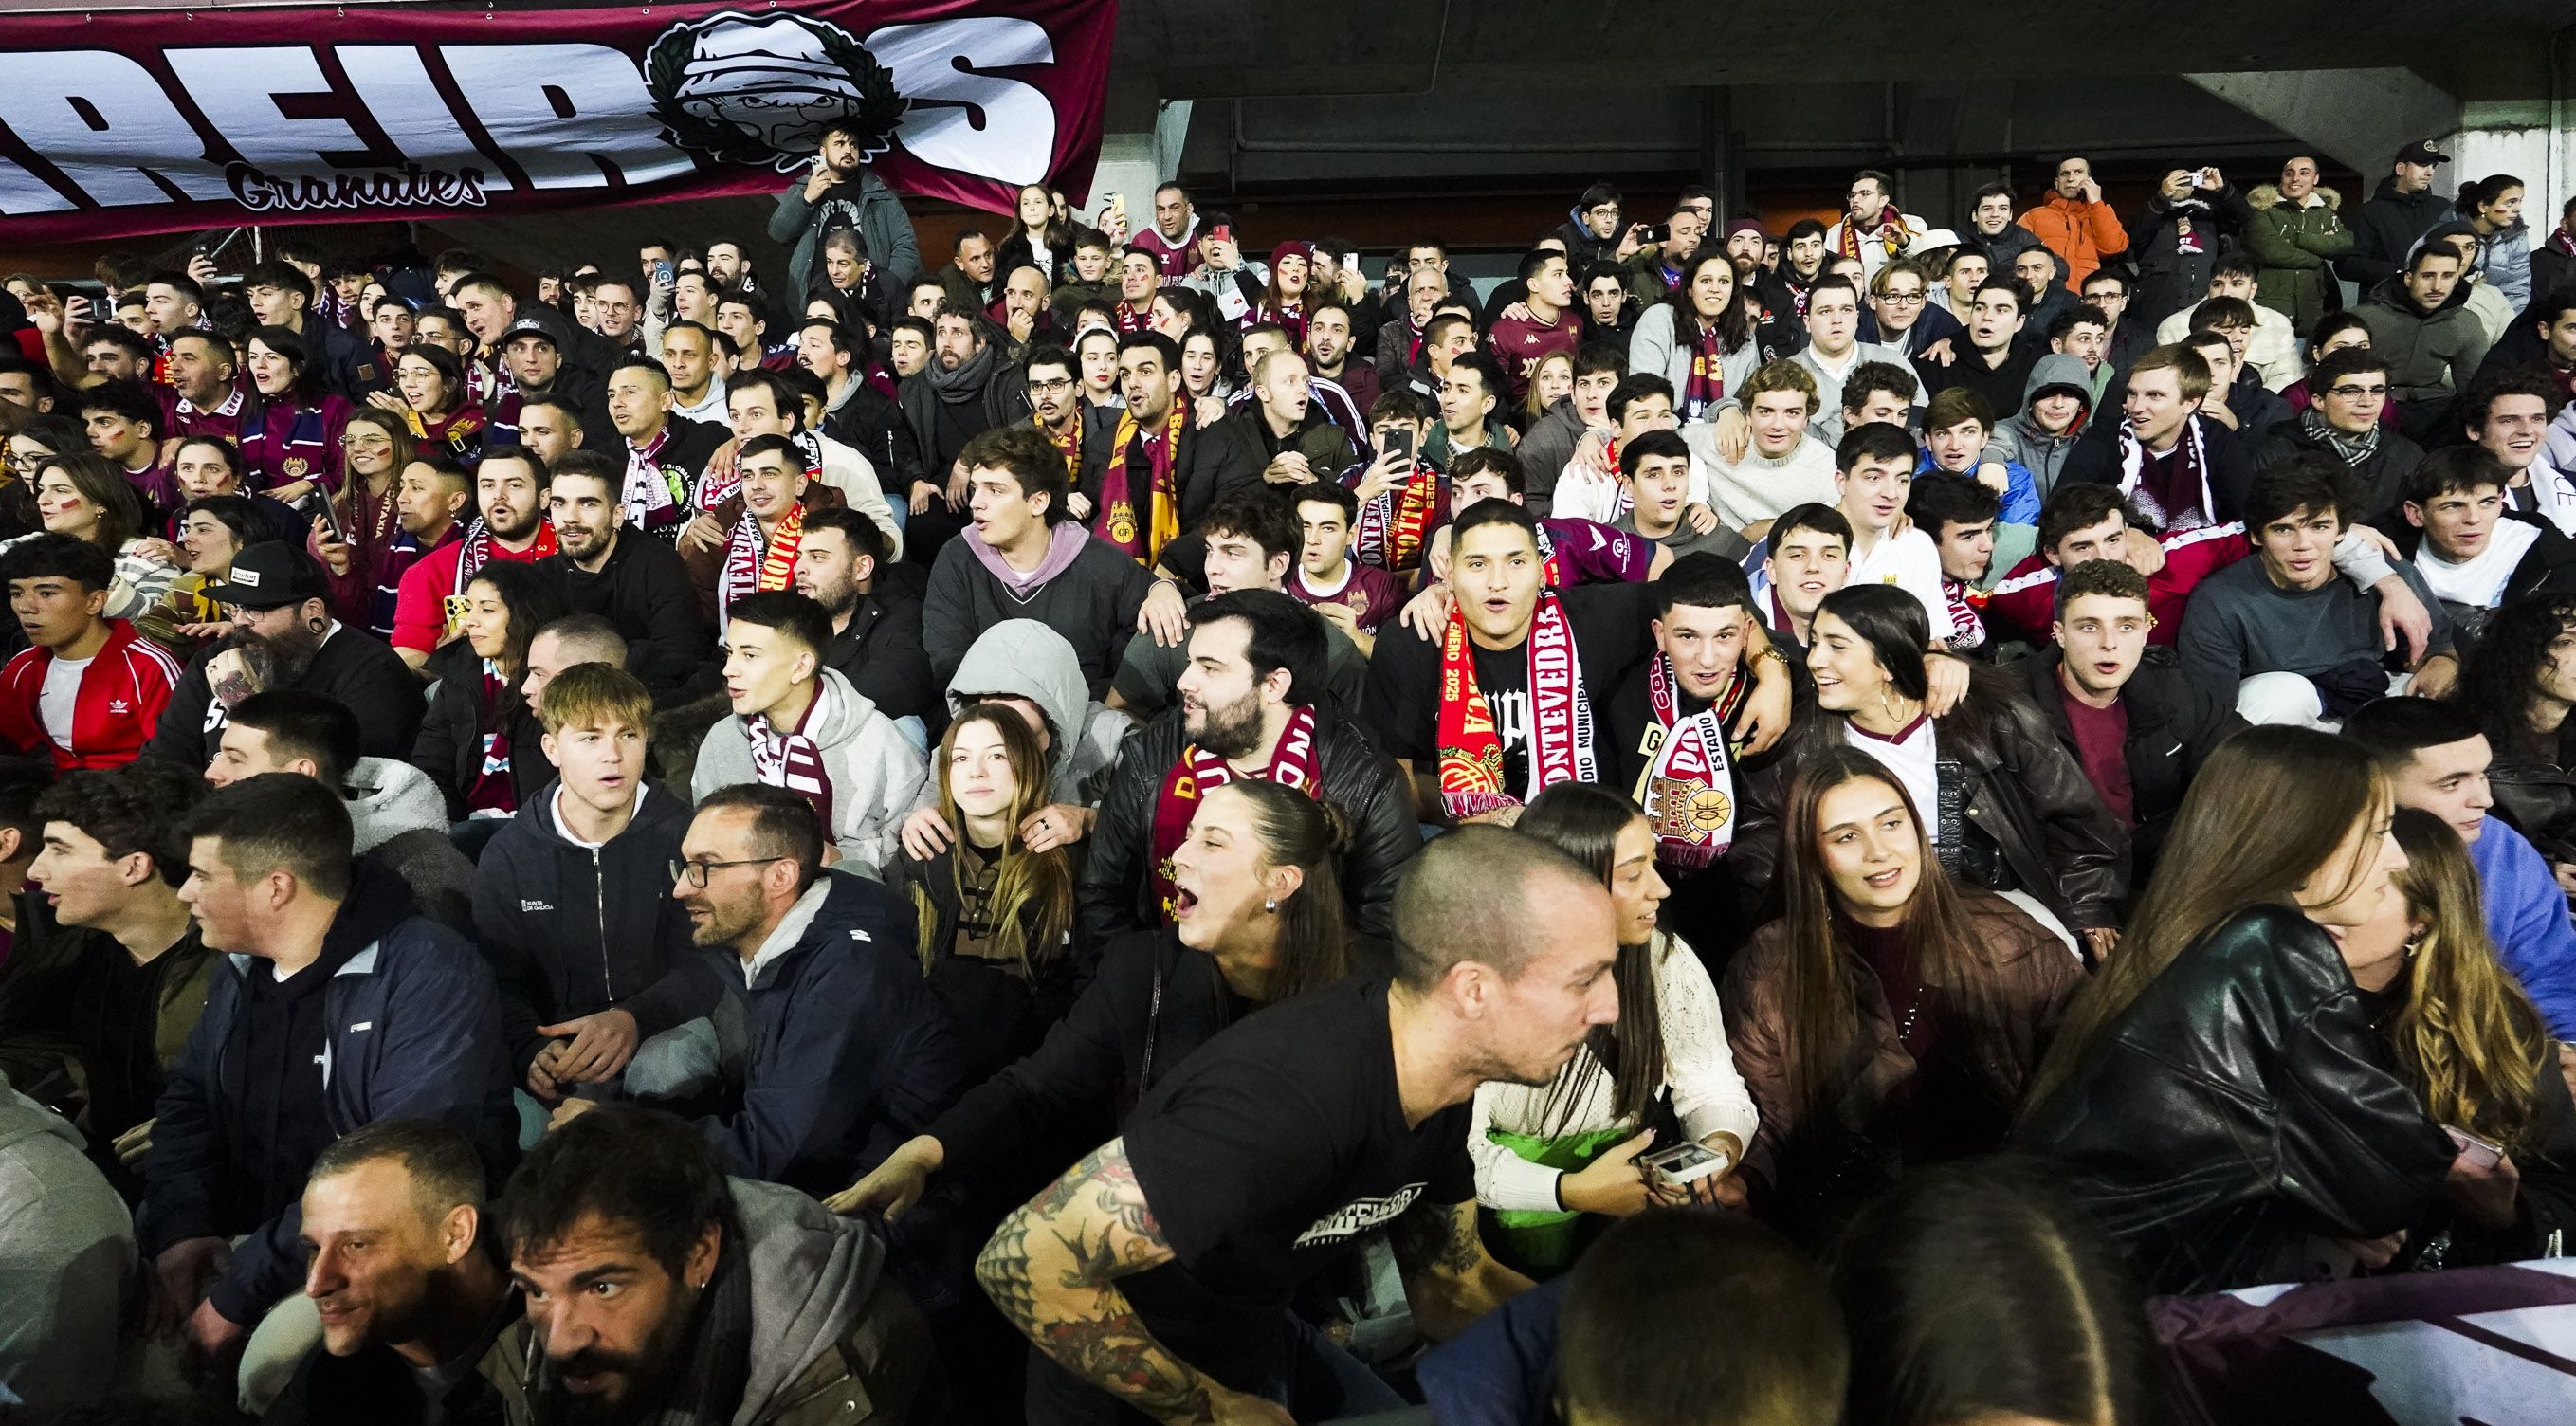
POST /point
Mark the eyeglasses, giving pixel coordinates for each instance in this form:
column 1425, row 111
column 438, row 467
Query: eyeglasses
column 1062, row 383
column 26, row 464
column 2348, row 392
column 1901, row 299
column 695, row 873
column 367, row 443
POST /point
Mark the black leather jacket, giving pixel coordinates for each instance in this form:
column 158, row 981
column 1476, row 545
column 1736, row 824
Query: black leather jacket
column 2014, row 784
column 1118, row 891
column 2241, row 1109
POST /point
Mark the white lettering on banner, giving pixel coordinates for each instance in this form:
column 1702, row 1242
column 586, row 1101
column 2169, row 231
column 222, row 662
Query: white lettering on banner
column 238, row 88
column 393, row 83
column 566, row 114
column 974, row 123
column 105, row 122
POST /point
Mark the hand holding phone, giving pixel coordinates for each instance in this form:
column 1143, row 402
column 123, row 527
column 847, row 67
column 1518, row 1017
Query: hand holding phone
column 2474, row 1151
column 1686, row 1163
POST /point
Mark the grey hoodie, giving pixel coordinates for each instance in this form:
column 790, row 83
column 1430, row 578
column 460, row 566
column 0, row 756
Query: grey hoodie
column 66, row 1252
column 401, row 821
column 876, row 775
column 2021, row 438
column 1023, row 658
column 812, row 1275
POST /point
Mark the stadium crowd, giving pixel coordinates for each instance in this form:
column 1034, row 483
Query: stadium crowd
column 1747, row 826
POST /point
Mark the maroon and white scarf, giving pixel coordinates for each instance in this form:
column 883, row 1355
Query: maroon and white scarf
column 793, row 759
column 2184, row 503
column 1291, row 765
column 646, row 498
column 1688, row 790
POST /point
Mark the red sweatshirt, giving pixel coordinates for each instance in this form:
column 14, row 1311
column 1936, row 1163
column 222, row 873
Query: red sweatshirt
column 2024, row 604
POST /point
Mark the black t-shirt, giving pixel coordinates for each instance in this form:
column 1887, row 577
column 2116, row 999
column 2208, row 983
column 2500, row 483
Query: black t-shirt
column 1268, row 1155
column 1401, row 705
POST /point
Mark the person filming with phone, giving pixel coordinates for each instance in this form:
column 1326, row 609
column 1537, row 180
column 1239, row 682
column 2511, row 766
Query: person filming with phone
column 837, row 190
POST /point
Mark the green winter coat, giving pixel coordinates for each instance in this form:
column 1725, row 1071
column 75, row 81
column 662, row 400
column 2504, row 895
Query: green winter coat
column 2294, row 249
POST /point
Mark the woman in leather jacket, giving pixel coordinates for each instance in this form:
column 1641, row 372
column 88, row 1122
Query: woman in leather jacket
column 996, row 932
column 2001, row 800
column 1894, row 1016
column 2519, row 684
column 1257, row 918
column 2217, row 1093
column 2477, row 1053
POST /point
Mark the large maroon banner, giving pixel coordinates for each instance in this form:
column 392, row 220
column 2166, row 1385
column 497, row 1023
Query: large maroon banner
column 124, row 123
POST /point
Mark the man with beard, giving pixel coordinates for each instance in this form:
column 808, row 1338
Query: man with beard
column 334, row 1005
column 1247, row 540
column 964, row 392
column 1059, row 409
column 532, row 354
column 848, row 1051
column 761, row 524
column 420, row 1321
column 1871, row 228
column 202, row 398
column 665, row 454
column 634, row 1201
column 284, row 637
column 510, row 490
column 1252, row 704
column 843, row 564
column 641, row 585
column 1262, row 1160
column 1345, row 386
column 842, row 192
column 854, row 412
column 1173, row 240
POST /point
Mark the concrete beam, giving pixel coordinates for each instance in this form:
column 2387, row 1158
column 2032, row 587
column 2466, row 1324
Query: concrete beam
column 2359, row 117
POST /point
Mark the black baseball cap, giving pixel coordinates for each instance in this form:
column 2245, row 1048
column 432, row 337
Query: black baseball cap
column 2422, row 151
column 531, row 327
column 270, row 575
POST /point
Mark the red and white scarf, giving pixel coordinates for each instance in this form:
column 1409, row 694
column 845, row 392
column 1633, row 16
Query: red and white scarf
column 1291, row 765
column 1560, row 720
column 1117, row 517
column 1706, row 384
column 1688, row 790
column 1394, row 522
column 472, row 553
column 2190, row 483
column 749, row 566
column 793, row 759
column 647, row 498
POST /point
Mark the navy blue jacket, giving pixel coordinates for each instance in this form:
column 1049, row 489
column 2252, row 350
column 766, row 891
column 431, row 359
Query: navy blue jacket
column 849, row 1051
column 415, row 1031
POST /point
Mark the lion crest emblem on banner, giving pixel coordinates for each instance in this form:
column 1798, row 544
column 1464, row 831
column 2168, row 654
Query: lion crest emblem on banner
column 741, row 89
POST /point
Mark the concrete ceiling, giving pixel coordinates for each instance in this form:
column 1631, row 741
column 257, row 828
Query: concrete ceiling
column 1222, row 49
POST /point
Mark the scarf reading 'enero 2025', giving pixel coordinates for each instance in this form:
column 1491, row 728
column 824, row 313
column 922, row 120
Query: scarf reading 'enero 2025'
column 1560, row 732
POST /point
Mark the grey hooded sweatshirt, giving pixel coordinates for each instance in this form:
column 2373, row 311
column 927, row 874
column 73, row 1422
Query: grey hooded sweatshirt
column 66, row 1253
column 1022, row 658
column 2020, row 437
column 401, row 822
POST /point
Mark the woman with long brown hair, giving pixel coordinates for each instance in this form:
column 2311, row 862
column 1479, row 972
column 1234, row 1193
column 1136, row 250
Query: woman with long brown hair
column 2475, row 1049
column 2217, row 1094
column 1257, row 917
column 1893, row 1015
column 84, row 495
column 1546, row 1155
column 481, row 741
column 996, row 916
column 353, row 540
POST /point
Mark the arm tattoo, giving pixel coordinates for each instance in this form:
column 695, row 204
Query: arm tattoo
column 1438, row 1238
column 1052, row 1268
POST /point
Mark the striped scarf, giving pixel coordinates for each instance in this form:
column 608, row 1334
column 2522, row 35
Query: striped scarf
column 750, row 568
column 792, row 759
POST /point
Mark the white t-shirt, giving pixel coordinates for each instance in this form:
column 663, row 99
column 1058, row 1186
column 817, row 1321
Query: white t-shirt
column 1912, row 563
column 2478, row 583
column 60, row 698
column 1914, row 757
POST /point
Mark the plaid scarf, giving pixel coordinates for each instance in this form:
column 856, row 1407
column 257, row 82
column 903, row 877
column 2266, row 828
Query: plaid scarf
column 1688, row 790
column 1706, row 384
column 2183, row 504
column 793, row 759
column 1114, row 518
column 1891, row 235
column 749, row 567
column 2352, row 450
column 1393, row 522
column 1292, row 765
column 1560, row 733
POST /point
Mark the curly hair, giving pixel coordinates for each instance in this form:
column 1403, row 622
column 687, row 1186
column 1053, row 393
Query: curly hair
column 2500, row 681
